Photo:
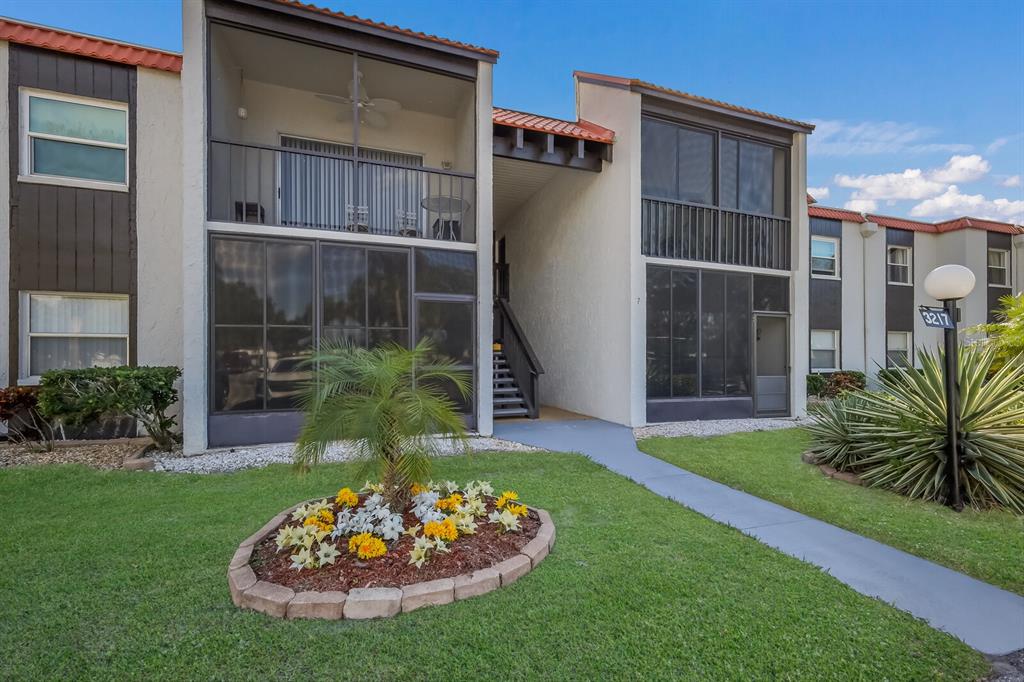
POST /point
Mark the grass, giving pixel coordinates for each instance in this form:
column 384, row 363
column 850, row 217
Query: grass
column 116, row 574
column 988, row 545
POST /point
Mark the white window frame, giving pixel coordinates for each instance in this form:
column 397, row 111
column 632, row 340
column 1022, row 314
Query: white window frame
column 1005, row 267
column 25, row 335
column 835, row 350
column 909, row 336
column 836, row 260
column 909, row 265
column 25, row 137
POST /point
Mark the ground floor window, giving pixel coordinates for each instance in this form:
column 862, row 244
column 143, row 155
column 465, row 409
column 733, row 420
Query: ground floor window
column 72, row 331
column 898, row 347
column 699, row 329
column 824, row 349
column 274, row 300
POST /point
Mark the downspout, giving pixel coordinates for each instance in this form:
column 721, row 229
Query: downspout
column 867, row 229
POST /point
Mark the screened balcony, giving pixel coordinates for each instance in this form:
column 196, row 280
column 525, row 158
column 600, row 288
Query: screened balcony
column 316, row 138
column 713, row 197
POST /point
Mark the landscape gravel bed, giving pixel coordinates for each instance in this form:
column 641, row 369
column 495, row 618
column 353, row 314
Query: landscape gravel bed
column 717, row 427
column 251, row 457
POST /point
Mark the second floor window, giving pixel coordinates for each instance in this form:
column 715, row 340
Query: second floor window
column 76, row 141
column 824, row 256
column 998, row 267
column 900, row 265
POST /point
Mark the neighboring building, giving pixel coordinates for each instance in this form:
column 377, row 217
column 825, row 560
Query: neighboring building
column 867, row 282
column 90, row 189
column 300, row 174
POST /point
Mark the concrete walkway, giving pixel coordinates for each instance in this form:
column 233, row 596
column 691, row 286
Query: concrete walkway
column 985, row 617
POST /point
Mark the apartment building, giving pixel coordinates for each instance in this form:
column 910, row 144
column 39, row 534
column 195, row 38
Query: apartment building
column 867, row 282
column 299, row 174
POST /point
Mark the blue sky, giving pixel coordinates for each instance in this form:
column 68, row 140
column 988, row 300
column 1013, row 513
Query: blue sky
column 919, row 105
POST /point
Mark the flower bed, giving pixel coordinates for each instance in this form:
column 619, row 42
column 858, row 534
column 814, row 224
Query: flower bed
column 354, row 557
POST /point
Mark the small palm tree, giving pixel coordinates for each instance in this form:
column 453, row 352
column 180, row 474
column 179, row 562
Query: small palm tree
column 390, row 402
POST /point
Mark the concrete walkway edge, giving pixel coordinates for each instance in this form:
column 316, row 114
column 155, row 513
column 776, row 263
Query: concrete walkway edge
column 985, row 617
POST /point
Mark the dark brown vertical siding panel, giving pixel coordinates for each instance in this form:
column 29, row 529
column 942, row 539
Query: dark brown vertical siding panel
column 49, row 242
column 66, row 81
column 67, row 239
column 102, row 241
column 121, row 241
column 119, row 84
column 83, row 77
column 101, row 80
column 47, row 75
column 15, row 65
column 133, row 262
column 25, row 240
column 85, row 247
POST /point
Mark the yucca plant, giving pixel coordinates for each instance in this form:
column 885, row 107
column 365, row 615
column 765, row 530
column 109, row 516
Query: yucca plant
column 836, row 432
column 390, row 402
column 898, row 436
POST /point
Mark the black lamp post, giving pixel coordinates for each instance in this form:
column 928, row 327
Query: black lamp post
column 949, row 284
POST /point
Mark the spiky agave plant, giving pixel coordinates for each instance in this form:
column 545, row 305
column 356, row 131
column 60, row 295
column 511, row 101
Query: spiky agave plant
column 390, row 401
column 836, row 431
column 901, row 437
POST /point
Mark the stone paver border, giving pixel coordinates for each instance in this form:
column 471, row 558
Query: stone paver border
column 248, row 592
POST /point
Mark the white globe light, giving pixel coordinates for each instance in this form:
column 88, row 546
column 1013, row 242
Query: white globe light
column 949, row 282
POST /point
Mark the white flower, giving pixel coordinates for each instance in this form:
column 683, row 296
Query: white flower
column 327, row 554
column 302, row 559
column 391, row 528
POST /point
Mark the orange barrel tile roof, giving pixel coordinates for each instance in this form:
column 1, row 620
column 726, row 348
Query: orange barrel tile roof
column 88, row 46
column 964, row 223
column 580, row 130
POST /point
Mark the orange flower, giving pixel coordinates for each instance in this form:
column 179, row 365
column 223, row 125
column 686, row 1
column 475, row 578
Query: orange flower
column 445, row 530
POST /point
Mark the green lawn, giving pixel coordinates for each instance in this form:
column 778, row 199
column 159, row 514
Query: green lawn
column 988, row 545
column 116, row 574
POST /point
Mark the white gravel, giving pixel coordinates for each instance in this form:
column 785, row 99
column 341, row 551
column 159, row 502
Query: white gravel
column 251, row 457
column 716, row 427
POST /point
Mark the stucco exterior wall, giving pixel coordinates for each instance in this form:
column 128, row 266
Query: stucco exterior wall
column 799, row 321
column 926, row 258
column 158, row 218
column 485, row 246
column 875, row 279
column 193, row 229
column 851, row 267
column 6, row 375
column 574, row 260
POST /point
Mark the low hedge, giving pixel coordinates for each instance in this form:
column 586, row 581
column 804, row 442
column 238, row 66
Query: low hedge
column 80, row 396
column 835, row 384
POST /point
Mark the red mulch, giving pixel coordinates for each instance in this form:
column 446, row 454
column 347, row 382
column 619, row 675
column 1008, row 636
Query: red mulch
column 483, row 549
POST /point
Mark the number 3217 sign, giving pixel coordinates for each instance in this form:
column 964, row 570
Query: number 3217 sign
column 936, row 317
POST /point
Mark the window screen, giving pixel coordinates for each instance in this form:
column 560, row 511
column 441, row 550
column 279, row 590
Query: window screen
column 75, row 332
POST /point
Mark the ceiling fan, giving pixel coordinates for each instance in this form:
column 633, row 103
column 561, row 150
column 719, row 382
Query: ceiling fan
column 372, row 110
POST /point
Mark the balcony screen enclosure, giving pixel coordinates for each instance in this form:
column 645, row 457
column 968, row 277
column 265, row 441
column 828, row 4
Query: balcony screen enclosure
column 700, row 331
column 273, row 300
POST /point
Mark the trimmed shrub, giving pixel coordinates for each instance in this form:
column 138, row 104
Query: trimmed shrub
column 816, row 384
column 79, row 396
column 843, row 381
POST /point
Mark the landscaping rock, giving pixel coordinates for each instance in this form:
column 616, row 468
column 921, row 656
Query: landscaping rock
column 513, row 569
column 263, row 532
column 241, row 557
column 139, row 464
column 476, row 583
column 240, row 580
column 827, row 470
column 847, row 477
column 431, row 593
column 373, row 602
column 547, row 531
column 325, row 605
column 536, row 549
column 268, row 598
column 809, row 458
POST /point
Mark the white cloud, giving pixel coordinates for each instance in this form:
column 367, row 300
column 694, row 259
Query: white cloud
column 819, row 193
column 840, row 138
column 913, row 183
column 961, row 169
column 861, row 205
column 1001, row 142
column 952, row 203
column 1012, row 181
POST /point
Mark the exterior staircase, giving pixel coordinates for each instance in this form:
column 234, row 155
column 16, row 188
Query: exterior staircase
column 508, row 399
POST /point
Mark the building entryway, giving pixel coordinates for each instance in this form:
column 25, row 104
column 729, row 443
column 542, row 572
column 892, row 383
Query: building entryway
column 771, row 361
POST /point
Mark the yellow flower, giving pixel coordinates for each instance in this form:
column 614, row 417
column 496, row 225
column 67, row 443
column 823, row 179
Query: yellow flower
column 450, row 503
column 320, row 521
column 416, row 489
column 506, row 497
column 444, row 530
column 346, row 498
column 366, row 546
column 517, row 509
